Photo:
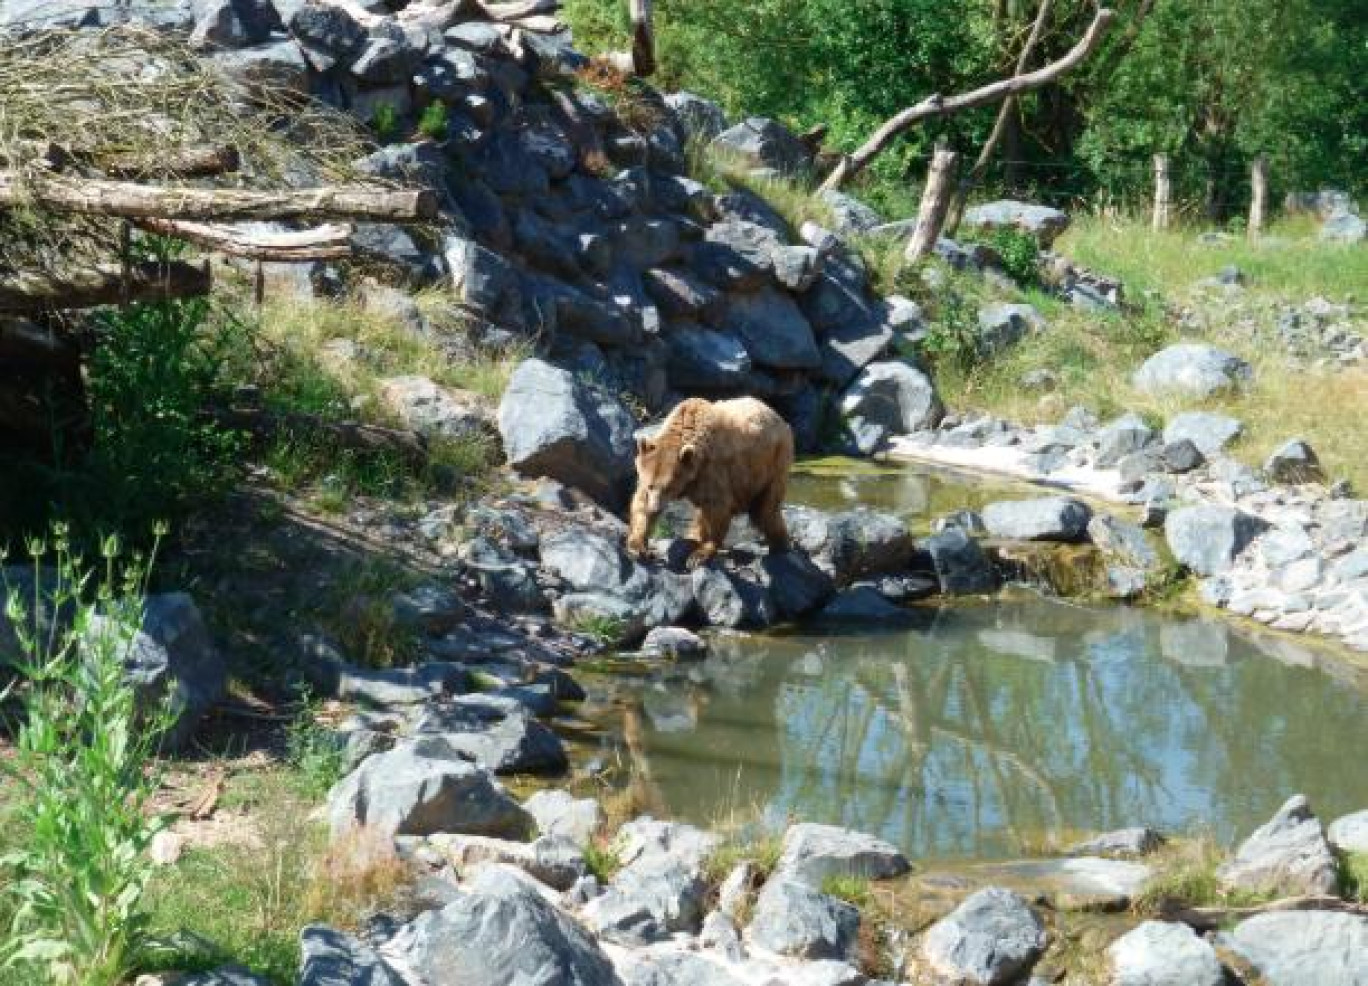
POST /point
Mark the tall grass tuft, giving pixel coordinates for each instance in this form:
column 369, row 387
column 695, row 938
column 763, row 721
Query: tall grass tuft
column 81, row 770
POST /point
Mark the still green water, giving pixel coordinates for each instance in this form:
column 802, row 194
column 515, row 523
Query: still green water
column 983, row 729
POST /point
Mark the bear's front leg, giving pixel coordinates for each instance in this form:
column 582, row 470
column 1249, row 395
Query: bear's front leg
column 639, row 526
column 706, row 533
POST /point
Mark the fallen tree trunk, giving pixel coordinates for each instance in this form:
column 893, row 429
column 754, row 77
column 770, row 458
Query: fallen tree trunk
column 938, row 105
column 1210, row 918
column 89, row 287
column 265, row 425
column 331, row 242
column 516, row 10
column 96, row 196
column 180, row 162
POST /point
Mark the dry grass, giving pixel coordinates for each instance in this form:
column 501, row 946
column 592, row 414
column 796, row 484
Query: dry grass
column 356, row 875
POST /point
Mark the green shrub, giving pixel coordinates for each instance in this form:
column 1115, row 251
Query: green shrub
column 433, row 122
column 81, row 770
column 952, row 337
column 385, row 122
column 313, row 752
column 1018, row 251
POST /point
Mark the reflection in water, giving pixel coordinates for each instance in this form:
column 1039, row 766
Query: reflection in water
column 990, row 725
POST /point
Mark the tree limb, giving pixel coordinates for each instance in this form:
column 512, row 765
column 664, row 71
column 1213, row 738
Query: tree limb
column 1208, row 918
column 180, row 162
column 937, row 105
column 89, row 287
column 1005, row 111
column 331, row 242
column 95, row 196
column 641, row 60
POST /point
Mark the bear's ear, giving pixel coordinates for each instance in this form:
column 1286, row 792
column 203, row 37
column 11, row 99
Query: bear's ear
column 686, row 454
column 645, row 446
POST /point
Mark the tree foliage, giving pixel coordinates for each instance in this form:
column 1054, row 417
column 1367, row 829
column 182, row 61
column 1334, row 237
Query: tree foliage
column 1210, row 82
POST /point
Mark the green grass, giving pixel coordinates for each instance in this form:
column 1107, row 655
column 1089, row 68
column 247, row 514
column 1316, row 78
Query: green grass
column 1185, row 874
column 1354, row 876
column 851, row 889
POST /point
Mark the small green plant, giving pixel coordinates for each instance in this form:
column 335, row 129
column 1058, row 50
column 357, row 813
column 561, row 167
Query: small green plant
column 1354, row 876
column 1019, row 253
column 602, row 860
column 313, row 751
column 433, row 122
column 385, row 122
column 952, row 339
column 82, row 769
column 851, row 889
column 603, row 629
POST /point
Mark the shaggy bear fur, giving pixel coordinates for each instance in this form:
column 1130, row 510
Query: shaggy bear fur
column 724, row 457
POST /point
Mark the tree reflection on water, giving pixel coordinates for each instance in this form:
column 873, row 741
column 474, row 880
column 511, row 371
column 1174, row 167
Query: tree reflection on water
column 990, row 728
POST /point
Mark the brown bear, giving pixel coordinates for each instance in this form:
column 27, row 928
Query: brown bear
column 724, row 457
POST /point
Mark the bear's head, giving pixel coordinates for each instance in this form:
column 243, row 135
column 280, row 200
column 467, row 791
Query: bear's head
column 664, row 470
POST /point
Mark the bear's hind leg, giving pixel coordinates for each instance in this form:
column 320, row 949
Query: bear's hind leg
column 767, row 514
column 709, row 531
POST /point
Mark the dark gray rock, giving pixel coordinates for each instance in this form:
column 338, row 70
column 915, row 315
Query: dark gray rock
column 328, row 957
column 851, row 544
column 813, row 853
column 1158, row 953
column 1294, row 462
column 960, row 564
column 1040, row 221
column 1209, row 431
column 729, row 600
column 1053, row 518
column 1125, row 843
column 169, row 661
column 796, row 586
column 1119, row 438
column 587, row 560
column 501, row 737
column 424, row 786
column 774, row 330
column 681, row 295
column 862, row 604
column 1286, row 856
column 850, row 214
column 850, row 347
column 764, row 143
column 706, row 359
column 501, row 930
column 889, row 399
column 564, row 428
column 648, row 900
column 1130, row 558
column 233, row 23
column 701, row 119
column 992, row 938
column 1208, row 539
column 327, row 29
column 1002, row 325
column 793, row 919
column 1194, row 369
column 1181, row 456
column 277, row 65
column 1303, row 948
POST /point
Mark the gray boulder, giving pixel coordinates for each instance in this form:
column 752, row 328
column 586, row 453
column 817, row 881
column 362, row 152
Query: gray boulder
column 1161, row 954
column 1130, row 557
column 1287, row 856
column 1052, row 518
column 812, row 853
column 674, row 642
column 432, row 409
column 862, row 604
column 992, row 938
column 424, row 786
column 328, row 957
column 1294, row 462
column 558, row 426
column 889, row 399
column 501, row 931
column 652, row 898
column 1344, row 227
column 851, row 346
column 774, row 330
column 1040, row 221
column 1124, row 843
column 960, row 563
column 1208, row 431
column 702, row 119
column 850, row 214
column 700, row 358
column 1349, row 833
column 1122, row 437
column 793, row 919
column 678, row 969
column 851, row 544
column 729, row 599
column 1208, row 539
column 1190, row 368
column 551, row 859
column 496, row 733
column 560, row 813
column 764, row 143
column 1002, row 325
column 1180, row 456
column 1304, row 948
column 169, row 661
column 274, row 66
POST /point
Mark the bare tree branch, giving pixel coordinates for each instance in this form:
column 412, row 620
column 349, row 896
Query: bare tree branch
column 938, row 105
column 331, row 242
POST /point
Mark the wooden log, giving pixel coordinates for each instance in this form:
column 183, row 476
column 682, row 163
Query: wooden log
column 331, row 242
column 101, row 197
column 1258, row 195
column 1210, row 918
column 516, row 10
column 1163, row 193
column 938, row 105
column 89, row 287
column 935, row 203
column 180, row 162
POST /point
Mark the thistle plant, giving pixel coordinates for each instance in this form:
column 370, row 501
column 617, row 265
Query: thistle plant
column 82, row 769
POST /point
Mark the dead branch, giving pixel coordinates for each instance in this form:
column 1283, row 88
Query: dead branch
column 265, row 425
column 1005, row 111
column 938, row 105
column 182, row 162
column 516, row 10
column 89, row 287
column 1209, row 918
column 95, row 196
column 331, row 242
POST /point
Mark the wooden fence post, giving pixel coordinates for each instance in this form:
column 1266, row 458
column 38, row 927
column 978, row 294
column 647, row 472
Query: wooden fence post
column 1163, row 192
column 1258, row 198
column 935, row 203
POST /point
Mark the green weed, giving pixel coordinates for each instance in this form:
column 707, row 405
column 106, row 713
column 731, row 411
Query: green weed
column 313, row 752
column 433, row 121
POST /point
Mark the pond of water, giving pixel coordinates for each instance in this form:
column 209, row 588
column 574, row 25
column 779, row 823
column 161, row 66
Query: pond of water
column 982, row 729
